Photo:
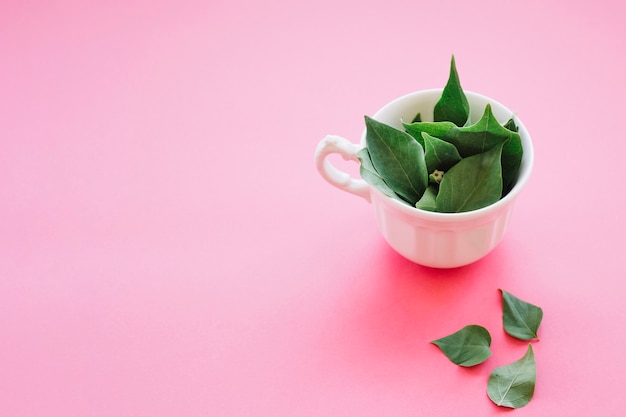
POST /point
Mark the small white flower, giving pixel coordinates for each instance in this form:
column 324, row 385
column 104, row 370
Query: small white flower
column 437, row 175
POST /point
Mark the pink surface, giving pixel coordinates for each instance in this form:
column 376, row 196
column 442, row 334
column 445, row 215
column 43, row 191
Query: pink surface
column 168, row 249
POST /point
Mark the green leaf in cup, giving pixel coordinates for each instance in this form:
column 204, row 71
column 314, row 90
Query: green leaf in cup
column 520, row 318
column 439, row 155
column 475, row 182
column 466, row 347
column 398, row 159
column 511, row 125
column 428, row 201
column 453, row 105
column 370, row 175
column 512, row 154
column 436, row 129
column 513, row 385
column 485, row 134
column 480, row 136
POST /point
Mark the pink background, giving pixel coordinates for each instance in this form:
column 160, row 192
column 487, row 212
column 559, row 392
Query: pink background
column 168, row 249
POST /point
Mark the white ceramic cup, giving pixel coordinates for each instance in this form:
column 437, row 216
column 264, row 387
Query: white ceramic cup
column 440, row 240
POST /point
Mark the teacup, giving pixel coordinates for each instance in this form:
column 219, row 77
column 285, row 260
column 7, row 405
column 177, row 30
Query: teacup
column 440, row 240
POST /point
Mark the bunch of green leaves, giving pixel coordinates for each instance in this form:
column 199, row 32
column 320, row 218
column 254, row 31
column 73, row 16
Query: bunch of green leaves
column 511, row 385
column 446, row 165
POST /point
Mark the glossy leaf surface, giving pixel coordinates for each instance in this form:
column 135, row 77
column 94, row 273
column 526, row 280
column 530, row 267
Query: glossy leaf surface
column 520, row 318
column 466, row 347
column 513, row 385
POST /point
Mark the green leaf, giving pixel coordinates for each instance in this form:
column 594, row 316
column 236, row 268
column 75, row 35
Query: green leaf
column 371, row 176
column 479, row 137
column 428, row 200
column 436, row 129
column 417, row 118
column 485, row 134
column 439, row 155
column 466, row 347
column 513, row 385
column 453, row 105
column 473, row 183
column 510, row 124
column 398, row 159
column 521, row 319
column 512, row 153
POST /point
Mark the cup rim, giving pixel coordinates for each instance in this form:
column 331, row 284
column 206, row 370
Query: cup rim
column 523, row 175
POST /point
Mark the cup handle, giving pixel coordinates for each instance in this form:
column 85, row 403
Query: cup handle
column 342, row 180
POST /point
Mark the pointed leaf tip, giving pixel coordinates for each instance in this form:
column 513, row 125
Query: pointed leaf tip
column 453, row 105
